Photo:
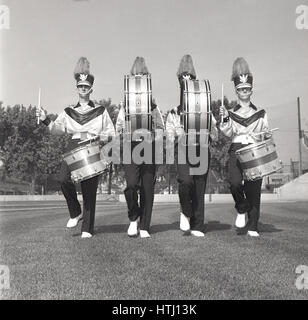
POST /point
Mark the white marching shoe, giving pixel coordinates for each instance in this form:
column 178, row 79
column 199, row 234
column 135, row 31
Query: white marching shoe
column 86, row 235
column 132, row 230
column 144, row 234
column 184, row 222
column 253, row 233
column 72, row 222
column 240, row 220
column 197, row 233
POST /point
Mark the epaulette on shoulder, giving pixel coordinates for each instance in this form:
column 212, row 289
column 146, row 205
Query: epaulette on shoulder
column 153, row 106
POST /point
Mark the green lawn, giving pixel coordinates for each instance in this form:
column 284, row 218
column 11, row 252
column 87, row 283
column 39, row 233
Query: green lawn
column 47, row 261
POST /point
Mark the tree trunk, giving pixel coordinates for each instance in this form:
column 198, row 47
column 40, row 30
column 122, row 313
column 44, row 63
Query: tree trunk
column 32, row 185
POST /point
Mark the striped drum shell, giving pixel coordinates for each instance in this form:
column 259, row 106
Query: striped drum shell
column 85, row 162
column 196, row 101
column 258, row 159
column 137, row 102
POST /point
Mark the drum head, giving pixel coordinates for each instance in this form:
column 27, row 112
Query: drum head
column 254, row 146
column 83, row 146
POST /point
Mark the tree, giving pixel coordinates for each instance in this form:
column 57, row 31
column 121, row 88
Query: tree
column 112, row 109
column 30, row 151
column 219, row 149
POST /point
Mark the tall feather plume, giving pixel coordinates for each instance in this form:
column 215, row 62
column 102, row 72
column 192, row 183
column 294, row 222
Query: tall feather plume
column 240, row 66
column 139, row 66
column 82, row 66
column 186, row 66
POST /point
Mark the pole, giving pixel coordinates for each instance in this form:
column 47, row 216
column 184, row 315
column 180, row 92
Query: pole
column 300, row 137
column 39, row 105
column 169, row 182
column 110, row 178
column 209, row 185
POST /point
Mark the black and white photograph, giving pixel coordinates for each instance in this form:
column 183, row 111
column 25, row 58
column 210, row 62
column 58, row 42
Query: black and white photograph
column 153, row 153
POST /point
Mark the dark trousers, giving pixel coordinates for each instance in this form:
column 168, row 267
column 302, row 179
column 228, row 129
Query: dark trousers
column 140, row 178
column 247, row 195
column 88, row 189
column 191, row 194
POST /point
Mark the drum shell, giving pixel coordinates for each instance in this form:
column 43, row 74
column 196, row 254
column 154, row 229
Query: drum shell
column 137, row 103
column 85, row 162
column 258, row 160
column 196, row 100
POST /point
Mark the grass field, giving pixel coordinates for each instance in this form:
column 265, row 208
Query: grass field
column 47, row 261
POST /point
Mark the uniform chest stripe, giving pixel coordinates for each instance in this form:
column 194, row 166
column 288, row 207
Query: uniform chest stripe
column 247, row 121
column 84, row 118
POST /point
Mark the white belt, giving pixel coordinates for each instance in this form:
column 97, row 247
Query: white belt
column 244, row 139
column 79, row 136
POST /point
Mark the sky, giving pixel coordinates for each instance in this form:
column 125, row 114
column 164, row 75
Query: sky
column 46, row 38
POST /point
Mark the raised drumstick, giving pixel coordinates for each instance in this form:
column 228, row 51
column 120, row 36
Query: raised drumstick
column 222, row 103
column 257, row 134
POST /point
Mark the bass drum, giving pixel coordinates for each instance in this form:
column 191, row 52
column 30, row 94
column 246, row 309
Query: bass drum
column 137, row 103
column 196, row 101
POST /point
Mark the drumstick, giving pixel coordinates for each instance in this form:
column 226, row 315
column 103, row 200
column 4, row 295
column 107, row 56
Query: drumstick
column 257, row 134
column 89, row 139
column 39, row 105
column 222, row 103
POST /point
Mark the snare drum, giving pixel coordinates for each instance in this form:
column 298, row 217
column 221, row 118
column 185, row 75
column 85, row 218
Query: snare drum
column 196, row 101
column 85, row 162
column 258, row 159
column 137, row 103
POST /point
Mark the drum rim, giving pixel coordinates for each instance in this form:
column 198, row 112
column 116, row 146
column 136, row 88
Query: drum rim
column 256, row 146
column 129, row 76
column 90, row 176
column 262, row 176
column 68, row 153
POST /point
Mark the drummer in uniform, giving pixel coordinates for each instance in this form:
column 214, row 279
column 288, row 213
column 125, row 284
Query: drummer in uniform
column 140, row 177
column 191, row 186
column 240, row 124
column 85, row 120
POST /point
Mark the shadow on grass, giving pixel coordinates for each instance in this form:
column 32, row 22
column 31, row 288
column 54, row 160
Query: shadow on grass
column 157, row 228
column 113, row 228
column 164, row 227
column 216, row 225
column 263, row 227
column 210, row 226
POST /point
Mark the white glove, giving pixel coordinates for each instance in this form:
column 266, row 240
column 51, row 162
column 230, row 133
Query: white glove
column 41, row 113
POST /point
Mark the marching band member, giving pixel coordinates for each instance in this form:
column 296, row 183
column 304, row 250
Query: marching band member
column 240, row 124
column 191, row 187
column 140, row 177
column 84, row 121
